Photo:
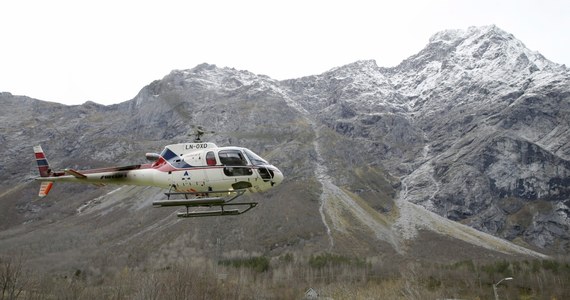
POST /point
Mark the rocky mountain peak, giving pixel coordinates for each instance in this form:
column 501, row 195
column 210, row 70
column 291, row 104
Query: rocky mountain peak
column 211, row 76
column 355, row 67
column 454, row 36
column 482, row 48
column 478, row 56
column 222, row 76
column 492, row 45
column 202, row 77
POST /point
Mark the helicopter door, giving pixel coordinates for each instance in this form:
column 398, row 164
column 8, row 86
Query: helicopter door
column 235, row 166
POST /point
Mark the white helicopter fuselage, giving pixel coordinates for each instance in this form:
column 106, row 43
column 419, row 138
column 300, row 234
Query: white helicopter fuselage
column 185, row 167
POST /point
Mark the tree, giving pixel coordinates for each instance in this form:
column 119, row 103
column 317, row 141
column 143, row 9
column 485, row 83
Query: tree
column 12, row 281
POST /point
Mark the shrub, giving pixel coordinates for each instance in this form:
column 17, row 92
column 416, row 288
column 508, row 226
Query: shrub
column 259, row 263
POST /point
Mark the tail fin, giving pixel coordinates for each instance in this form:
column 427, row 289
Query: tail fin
column 45, row 171
column 43, row 164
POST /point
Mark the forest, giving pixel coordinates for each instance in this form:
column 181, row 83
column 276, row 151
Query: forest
column 290, row 277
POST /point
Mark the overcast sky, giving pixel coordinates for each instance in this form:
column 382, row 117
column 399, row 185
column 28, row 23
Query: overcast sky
column 106, row 51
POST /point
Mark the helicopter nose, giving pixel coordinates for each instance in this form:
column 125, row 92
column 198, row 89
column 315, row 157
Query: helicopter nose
column 277, row 177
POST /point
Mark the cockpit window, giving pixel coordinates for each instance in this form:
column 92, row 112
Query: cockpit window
column 232, row 158
column 255, row 159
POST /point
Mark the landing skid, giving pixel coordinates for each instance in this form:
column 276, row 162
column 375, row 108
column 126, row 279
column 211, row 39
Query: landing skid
column 209, row 199
column 221, row 212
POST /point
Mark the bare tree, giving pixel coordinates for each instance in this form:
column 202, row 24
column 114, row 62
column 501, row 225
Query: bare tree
column 12, row 279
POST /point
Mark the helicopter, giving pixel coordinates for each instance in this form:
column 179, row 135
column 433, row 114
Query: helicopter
column 196, row 174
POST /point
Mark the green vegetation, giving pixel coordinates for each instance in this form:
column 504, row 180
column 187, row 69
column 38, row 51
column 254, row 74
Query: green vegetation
column 259, row 264
column 289, row 276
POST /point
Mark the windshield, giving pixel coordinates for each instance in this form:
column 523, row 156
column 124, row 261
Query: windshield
column 255, row 159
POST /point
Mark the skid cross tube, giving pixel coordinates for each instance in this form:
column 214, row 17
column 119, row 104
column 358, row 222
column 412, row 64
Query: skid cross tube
column 197, row 194
column 199, row 198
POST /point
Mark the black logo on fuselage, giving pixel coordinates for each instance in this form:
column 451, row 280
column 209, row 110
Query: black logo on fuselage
column 114, row 176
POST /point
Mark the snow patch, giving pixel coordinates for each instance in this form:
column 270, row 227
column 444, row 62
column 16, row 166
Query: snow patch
column 96, row 202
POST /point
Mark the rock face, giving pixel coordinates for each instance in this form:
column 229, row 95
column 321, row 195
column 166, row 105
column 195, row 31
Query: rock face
column 476, row 124
column 475, row 128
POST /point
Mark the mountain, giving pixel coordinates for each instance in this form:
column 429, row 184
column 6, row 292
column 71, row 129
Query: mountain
column 461, row 151
column 475, row 126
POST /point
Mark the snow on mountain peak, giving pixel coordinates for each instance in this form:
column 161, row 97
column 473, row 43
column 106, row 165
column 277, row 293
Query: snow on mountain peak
column 214, row 77
column 477, row 46
column 477, row 54
column 452, row 35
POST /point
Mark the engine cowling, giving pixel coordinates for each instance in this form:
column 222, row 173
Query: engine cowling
column 152, row 156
